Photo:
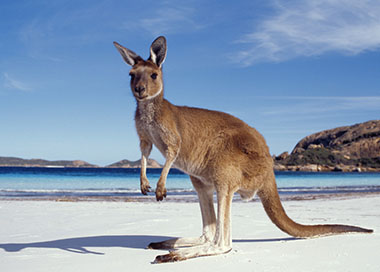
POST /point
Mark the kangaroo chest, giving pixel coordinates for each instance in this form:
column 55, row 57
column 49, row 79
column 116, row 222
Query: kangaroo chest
column 150, row 128
column 155, row 134
column 161, row 135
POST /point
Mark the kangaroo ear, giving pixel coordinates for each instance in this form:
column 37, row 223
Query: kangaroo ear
column 158, row 51
column 129, row 56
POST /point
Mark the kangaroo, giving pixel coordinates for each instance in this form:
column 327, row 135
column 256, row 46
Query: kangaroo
column 218, row 151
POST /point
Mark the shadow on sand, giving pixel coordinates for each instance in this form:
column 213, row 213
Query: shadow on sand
column 80, row 244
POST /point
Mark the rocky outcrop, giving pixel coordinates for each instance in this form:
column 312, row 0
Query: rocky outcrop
column 348, row 148
column 134, row 164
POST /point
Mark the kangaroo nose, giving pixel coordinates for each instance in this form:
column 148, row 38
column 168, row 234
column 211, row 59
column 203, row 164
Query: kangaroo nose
column 139, row 89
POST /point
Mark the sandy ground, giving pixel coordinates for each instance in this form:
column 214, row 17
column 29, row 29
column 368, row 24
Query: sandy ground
column 112, row 236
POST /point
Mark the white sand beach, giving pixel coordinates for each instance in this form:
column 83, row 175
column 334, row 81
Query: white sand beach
column 112, row 236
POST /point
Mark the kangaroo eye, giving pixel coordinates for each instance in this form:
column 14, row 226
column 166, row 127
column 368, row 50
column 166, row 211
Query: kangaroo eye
column 154, row 75
column 132, row 75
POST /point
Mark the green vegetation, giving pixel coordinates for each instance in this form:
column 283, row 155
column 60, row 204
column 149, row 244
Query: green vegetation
column 369, row 162
column 326, row 157
column 320, row 156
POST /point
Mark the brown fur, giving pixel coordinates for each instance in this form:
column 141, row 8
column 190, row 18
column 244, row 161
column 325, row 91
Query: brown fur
column 221, row 154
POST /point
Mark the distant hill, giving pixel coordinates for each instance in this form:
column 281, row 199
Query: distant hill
column 134, row 164
column 18, row 162
column 348, row 148
column 12, row 161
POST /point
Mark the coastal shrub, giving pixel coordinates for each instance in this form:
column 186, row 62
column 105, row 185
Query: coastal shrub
column 320, row 156
column 369, row 162
column 324, row 156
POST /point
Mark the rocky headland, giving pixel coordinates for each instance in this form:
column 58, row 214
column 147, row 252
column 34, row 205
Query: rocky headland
column 353, row 148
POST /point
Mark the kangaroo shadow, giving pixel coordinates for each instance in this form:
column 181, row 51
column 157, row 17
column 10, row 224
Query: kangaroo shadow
column 80, row 244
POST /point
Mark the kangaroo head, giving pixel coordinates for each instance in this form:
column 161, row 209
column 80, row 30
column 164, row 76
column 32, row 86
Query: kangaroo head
column 146, row 75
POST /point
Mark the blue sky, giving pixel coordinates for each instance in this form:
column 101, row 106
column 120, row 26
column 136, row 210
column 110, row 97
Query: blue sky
column 287, row 68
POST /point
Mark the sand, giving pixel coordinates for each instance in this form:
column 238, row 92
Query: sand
column 112, row 236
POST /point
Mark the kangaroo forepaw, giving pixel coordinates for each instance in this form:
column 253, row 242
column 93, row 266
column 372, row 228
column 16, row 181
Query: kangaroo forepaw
column 160, row 193
column 145, row 187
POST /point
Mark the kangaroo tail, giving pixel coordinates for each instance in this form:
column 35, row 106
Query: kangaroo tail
column 273, row 207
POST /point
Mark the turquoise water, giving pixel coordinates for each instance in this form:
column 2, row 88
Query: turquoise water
column 42, row 182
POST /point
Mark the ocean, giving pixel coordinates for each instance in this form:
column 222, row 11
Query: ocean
column 56, row 183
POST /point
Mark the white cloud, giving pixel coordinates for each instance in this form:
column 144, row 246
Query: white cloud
column 167, row 20
column 314, row 27
column 311, row 107
column 11, row 83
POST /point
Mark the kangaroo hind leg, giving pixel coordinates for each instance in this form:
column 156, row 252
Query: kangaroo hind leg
column 205, row 195
column 220, row 244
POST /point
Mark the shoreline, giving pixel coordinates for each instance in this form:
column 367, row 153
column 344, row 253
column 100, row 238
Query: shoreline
column 190, row 198
column 280, row 168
